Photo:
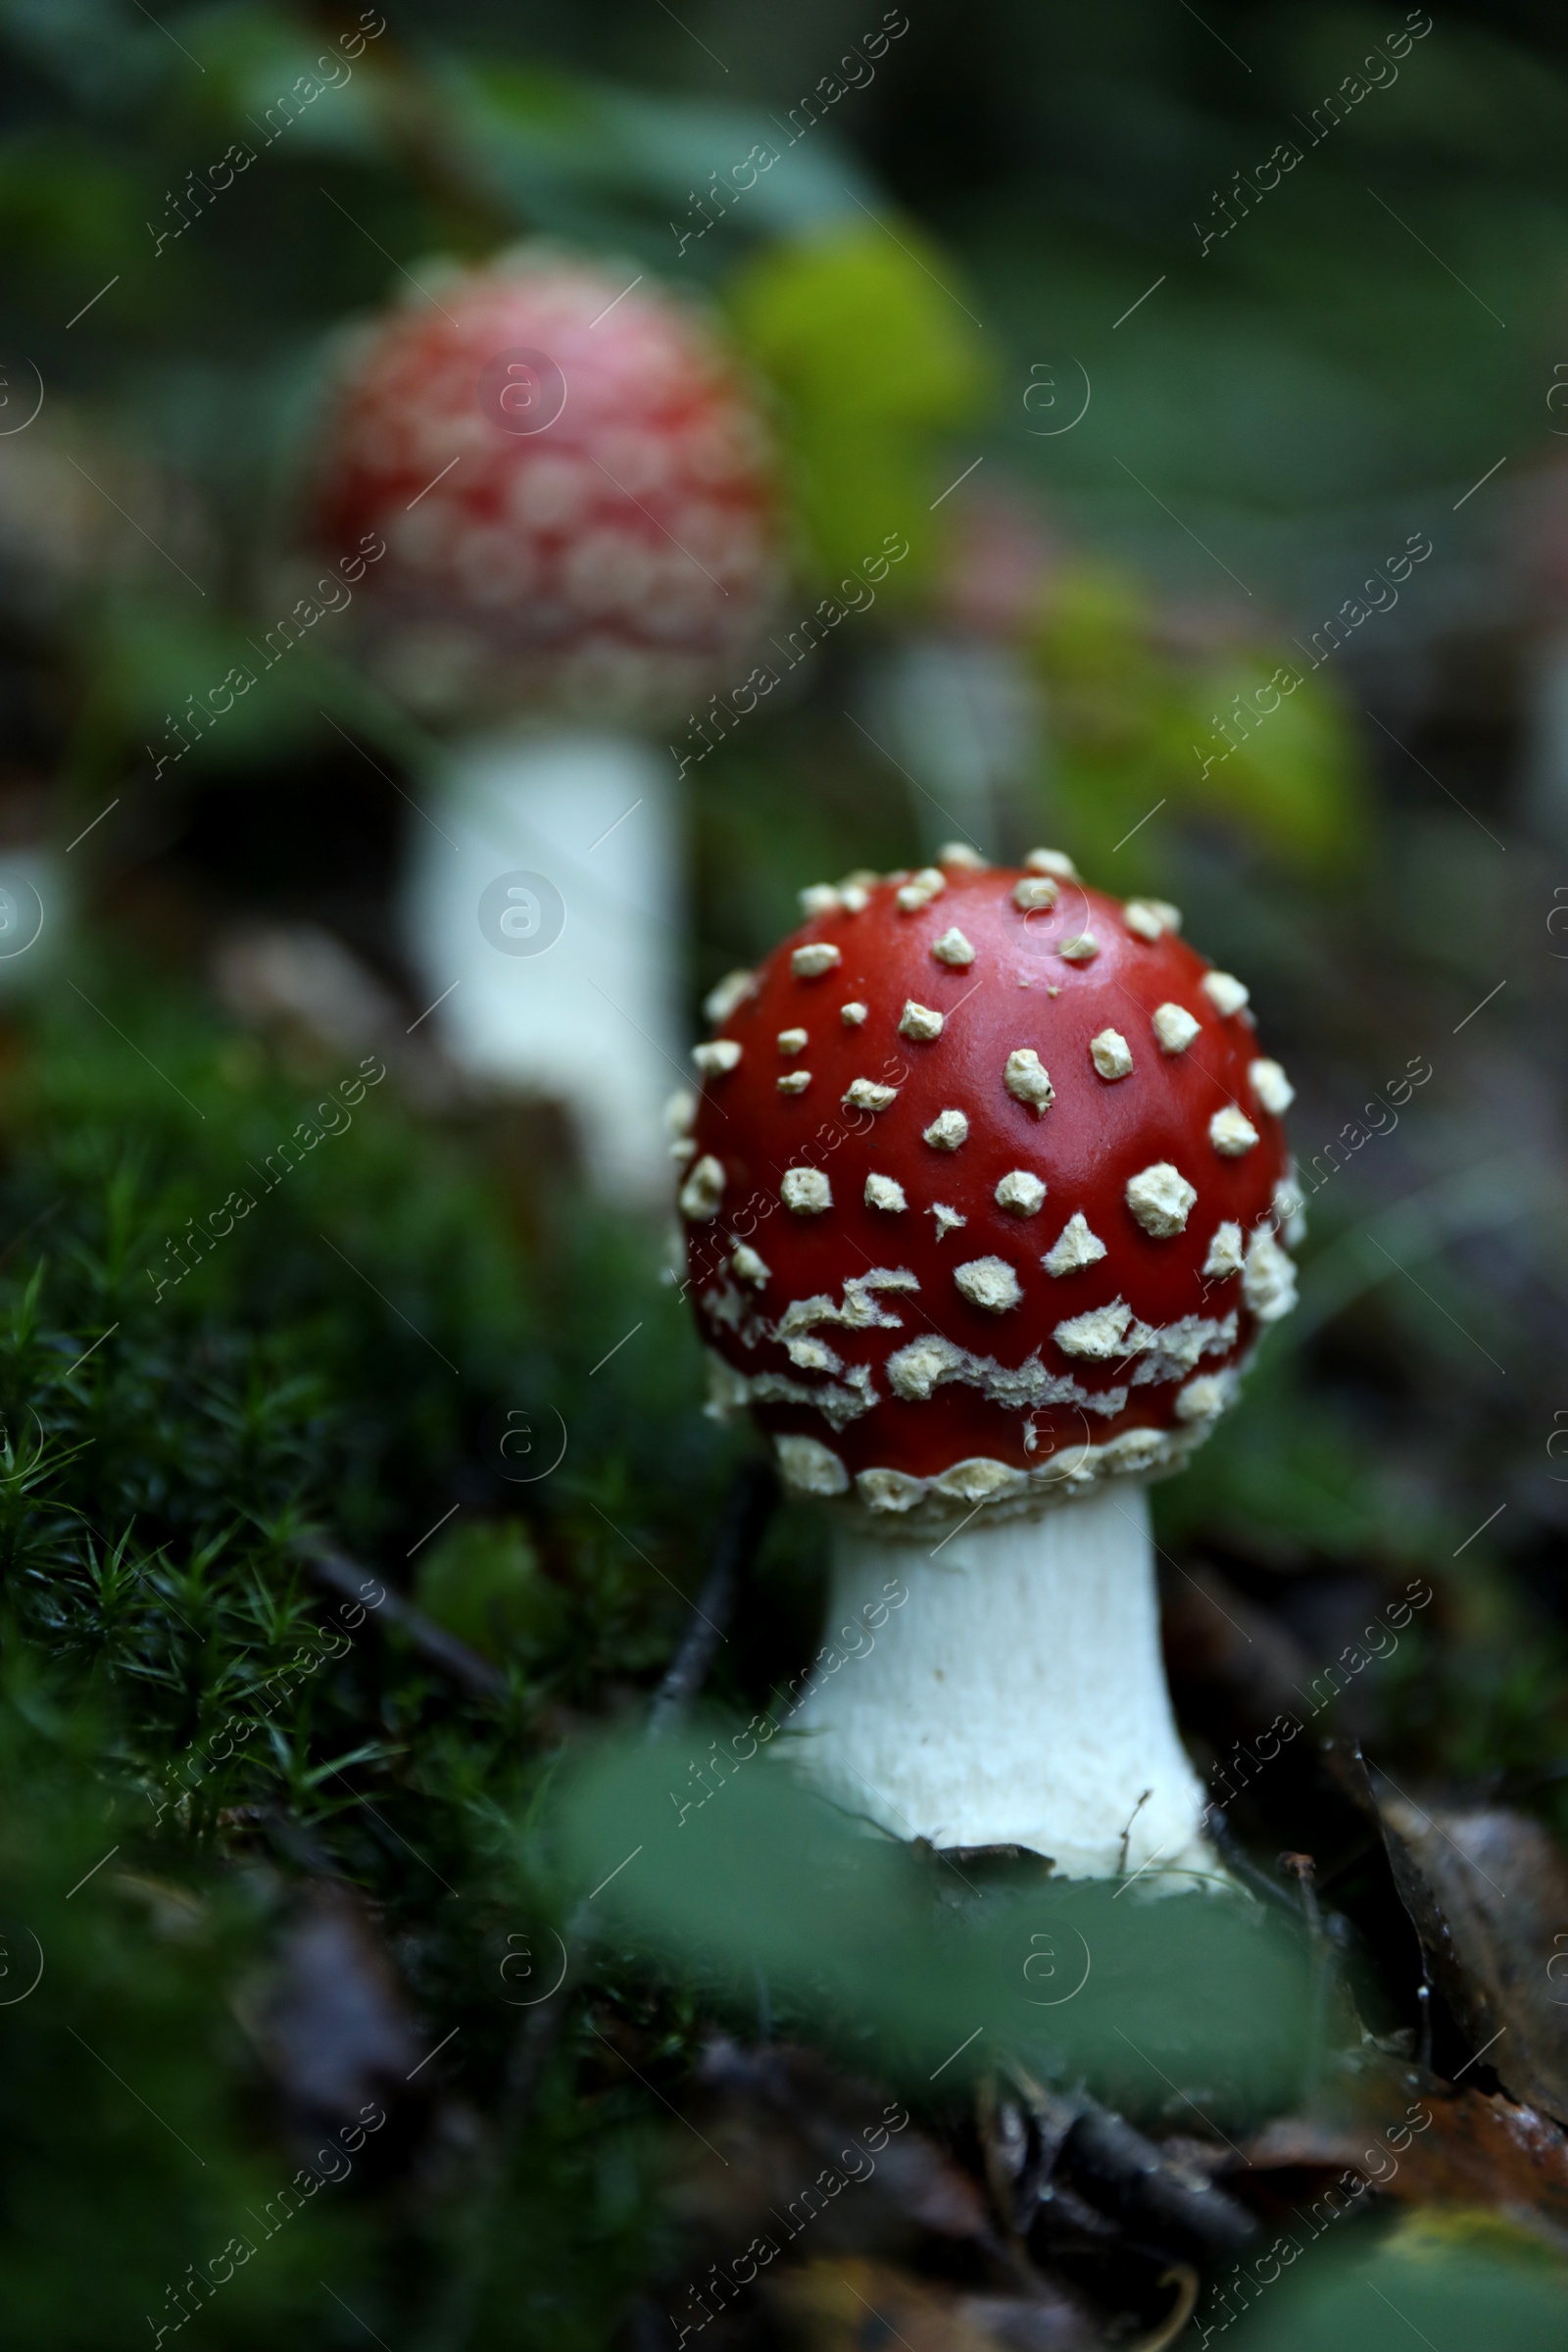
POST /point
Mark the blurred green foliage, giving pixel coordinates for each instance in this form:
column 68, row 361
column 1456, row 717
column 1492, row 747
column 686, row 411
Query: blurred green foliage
column 892, row 1959
column 124, row 2156
column 1455, row 2280
column 484, row 1584
column 1236, row 732
column 873, row 361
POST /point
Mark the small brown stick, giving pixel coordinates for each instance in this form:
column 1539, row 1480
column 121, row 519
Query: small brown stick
column 750, row 1505
column 350, row 1582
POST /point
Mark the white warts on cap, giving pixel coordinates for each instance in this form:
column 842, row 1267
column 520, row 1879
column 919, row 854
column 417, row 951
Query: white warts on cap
column 1021, row 1194
column 1034, row 892
column 792, row 1041
column 920, row 889
column 860, row 1312
column 1028, row 1081
column 1268, row 1279
column 1224, row 992
column 1144, row 919
column 1051, row 862
column 1272, row 1087
column 814, row 1356
column 854, row 897
column 889, row 1490
column 727, row 1391
column 852, row 1016
column 722, row 999
column 1231, row 1132
column 948, row 1219
column 1206, row 1397
column 883, row 1192
column 1290, row 1209
column 918, row 1020
column 817, row 898
column 745, row 1263
column 1082, row 949
column 868, row 1094
column 1111, row 1054
column 958, row 852
column 805, row 1191
column 990, row 1283
column 1161, row 1200
column 1097, row 1334
column 717, row 1056
column 954, row 949
column 703, row 1189
column 917, row 1371
column 812, row 960
column 808, row 1467
column 980, row 1479
column 1175, row 1028
column 1169, row 915
column 1224, row 1252
column 1075, row 1248
column 795, row 1082
column 947, row 1131
column 680, row 1112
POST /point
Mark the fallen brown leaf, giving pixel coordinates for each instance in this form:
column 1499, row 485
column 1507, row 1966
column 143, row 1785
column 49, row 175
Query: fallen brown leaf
column 796, row 2147
column 1487, row 1890
column 1473, row 2151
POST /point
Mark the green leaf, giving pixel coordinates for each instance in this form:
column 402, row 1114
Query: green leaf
column 1453, row 2280
column 1135, row 727
column 874, row 362
column 1144, row 1996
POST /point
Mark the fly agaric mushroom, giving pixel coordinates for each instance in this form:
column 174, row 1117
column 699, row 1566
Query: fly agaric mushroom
column 996, row 1265
column 579, row 509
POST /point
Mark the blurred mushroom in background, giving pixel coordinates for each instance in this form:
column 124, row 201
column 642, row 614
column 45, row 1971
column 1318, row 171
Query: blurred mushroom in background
column 564, row 493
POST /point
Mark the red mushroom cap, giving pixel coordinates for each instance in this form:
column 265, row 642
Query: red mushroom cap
column 573, row 482
column 984, row 1188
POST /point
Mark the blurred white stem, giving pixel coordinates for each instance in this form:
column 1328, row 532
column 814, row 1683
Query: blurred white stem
column 593, row 1020
column 1017, row 1698
column 965, row 717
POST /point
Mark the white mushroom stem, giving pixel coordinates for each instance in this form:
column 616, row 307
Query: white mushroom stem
column 1017, row 1698
column 593, row 1020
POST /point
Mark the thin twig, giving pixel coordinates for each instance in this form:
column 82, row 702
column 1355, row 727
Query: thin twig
column 352, row 1581
column 747, row 1509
